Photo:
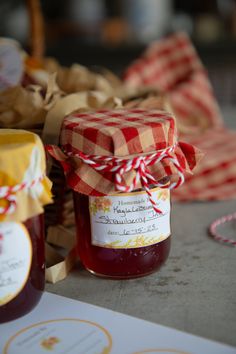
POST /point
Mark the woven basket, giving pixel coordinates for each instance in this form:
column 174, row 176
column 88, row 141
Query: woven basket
column 37, row 34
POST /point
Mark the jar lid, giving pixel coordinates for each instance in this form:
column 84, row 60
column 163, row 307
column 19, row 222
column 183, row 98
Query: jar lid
column 24, row 187
column 108, row 150
column 119, row 132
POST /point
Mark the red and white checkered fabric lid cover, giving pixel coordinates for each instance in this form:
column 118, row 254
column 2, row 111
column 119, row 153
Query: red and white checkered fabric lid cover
column 120, row 134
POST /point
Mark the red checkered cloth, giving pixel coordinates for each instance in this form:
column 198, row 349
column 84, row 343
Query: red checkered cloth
column 173, row 66
column 215, row 177
column 120, row 134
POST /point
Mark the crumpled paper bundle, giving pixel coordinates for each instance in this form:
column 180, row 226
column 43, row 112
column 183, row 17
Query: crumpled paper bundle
column 27, row 107
column 33, row 106
column 79, row 78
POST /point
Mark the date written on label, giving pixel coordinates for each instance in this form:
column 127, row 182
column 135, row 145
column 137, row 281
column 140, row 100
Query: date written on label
column 135, row 231
column 129, row 220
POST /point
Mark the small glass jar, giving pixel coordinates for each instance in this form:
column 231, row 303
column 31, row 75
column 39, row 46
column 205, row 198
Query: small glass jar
column 125, row 261
column 121, row 165
column 24, row 189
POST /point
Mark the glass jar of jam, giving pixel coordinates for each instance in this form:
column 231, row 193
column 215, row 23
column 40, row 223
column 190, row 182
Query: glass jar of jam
column 121, row 165
column 24, row 189
column 121, row 236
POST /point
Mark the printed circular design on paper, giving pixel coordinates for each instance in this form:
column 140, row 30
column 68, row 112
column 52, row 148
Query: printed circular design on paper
column 15, row 259
column 11, row 65
column 61, row 336
column 160, row 351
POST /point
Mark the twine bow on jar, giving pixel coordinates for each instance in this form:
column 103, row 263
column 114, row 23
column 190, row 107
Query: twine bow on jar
column 8, row 194
column 140, row 164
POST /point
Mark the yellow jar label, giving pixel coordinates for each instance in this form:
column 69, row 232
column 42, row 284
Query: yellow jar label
column 15, row 259
column 128, row 220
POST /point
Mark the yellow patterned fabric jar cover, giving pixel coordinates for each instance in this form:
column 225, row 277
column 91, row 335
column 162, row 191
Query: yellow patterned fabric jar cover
column 24, row 190
column 22, row 168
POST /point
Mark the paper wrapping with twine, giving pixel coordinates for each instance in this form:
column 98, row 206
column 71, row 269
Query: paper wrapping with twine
column 22, row 160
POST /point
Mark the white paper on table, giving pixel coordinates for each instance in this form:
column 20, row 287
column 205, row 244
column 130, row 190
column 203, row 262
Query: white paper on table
column 60, row 325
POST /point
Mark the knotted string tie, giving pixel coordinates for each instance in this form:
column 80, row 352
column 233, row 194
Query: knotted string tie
column 140, row 164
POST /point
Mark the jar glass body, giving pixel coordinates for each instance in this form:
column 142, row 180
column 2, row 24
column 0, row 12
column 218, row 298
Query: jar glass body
column 33, row 288
column 114, row 262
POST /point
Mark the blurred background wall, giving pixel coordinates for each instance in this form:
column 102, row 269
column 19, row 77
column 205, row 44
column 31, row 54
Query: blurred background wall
column 112, row 33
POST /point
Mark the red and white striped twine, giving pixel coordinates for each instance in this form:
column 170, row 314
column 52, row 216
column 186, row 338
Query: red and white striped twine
column 140, row 164
column 9, row 194
column 217, row 236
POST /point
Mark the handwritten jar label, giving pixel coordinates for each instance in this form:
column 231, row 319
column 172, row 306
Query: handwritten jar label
column 15, row 259
column 128, row 220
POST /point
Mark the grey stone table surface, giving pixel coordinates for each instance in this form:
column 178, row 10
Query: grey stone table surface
column 195, row 291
